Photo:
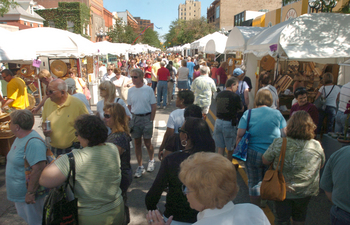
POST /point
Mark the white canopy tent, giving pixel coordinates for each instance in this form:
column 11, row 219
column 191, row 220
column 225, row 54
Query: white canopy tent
column 318, row 37
column 202, row 42
column 106, row 47
column 216, row 44
column 239, row 36
column 15, row 52
column 54, row 42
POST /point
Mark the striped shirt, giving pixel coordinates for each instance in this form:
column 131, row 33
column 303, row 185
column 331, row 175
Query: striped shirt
column 344, row 97
column 97, row 179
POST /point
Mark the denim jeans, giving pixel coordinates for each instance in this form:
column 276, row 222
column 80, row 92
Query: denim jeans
column 330, row 112
column 340, row 122
column 339, row 216
column 189, row 83
column 162, row 89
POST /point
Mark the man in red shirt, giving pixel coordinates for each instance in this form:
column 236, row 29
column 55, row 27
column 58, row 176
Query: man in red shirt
column 163, row 75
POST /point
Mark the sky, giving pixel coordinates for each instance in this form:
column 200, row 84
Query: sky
column 160, row 12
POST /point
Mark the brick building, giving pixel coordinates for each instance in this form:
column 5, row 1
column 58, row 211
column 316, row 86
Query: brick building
column 96, row 6
column 128, row 19
column 144, row 23
column 190, row 10
column 221, row 12
column 23, row 16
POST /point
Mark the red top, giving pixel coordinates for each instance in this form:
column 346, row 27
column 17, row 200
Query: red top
column 196, row 74
column 223, row 77
column 213, row 72
column 309, row 108
column 148, row 71
column 163, row 74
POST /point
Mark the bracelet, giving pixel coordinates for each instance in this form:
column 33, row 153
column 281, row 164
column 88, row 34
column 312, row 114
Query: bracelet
column 30, row 193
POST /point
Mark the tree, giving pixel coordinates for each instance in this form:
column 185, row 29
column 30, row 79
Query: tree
column 5, row 6
column 150, row 37
column 182, row 32
column 121, row 33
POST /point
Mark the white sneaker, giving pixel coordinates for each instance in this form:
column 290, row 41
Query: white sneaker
column 139, row 171
column 158, row 107
column 150, row 166
column 164, row 107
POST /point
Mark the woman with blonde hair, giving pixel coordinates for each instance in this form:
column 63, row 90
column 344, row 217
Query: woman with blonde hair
column 263, row 132
column 79, row 82
column 303, row 160
column 116, row 119
column 210, row 185
column 108, row 93
column 221, row 74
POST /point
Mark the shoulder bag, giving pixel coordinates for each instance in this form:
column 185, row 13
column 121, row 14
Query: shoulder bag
column 273, row 185
column 320, row 102
column 242, row 147
column 28, row 169
column 61, row 206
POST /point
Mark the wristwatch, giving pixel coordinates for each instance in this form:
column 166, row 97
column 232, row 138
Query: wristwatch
column 31, row 193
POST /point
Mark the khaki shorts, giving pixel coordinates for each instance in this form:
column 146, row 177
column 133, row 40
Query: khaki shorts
column 141, row 126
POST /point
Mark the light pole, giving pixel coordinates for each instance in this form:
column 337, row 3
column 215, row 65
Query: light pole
column 323, row 5
column 100, row 35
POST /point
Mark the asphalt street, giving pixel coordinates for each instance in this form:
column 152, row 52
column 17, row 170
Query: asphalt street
column 318, row 210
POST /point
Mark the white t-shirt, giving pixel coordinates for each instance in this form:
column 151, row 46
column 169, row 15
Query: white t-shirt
column 344, row 97
column 101, row 104
column 82, row 98
column 176, row 119
column 242, row 88
column 183, row 74
column 102, row 71
column 119, row 83
column 230, row 214
column 332, row 97
column 107, row 77
column 141, row 99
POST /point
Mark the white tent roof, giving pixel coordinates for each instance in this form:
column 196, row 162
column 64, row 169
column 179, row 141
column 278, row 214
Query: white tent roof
column 202, row 42
column 106, row 47
column 216, row 44
column 55, row 42
column 11, row 51
column 260, row 44
column 239, row 36
column 320, row 37
column 186, row 46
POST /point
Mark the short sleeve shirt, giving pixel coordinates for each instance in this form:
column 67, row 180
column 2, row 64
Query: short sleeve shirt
column 183, row 74
column 141, row 99
column 331, row 100
column 222, row 73
column 264, row 126
column 203, row 88
column 227, row 105
column 15, row 178
column 344, row 97
column 176, row 119
column 17, row 90
column 302, row 164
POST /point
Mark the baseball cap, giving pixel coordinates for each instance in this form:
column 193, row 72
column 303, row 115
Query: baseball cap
column 70, row 82
column 237, row 72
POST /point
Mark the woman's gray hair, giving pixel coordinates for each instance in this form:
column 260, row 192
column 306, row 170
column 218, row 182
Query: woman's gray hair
column 23, row 118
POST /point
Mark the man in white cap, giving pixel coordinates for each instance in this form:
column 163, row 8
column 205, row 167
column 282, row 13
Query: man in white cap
column 72, row 90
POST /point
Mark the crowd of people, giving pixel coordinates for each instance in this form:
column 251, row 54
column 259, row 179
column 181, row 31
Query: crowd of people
column 200, row 183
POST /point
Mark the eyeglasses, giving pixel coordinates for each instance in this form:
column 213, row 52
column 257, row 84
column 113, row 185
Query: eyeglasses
column 107, row 116
column 185, row 190
column 181, row 130
column 135, row 77
column 76, row 133
column 50, row 92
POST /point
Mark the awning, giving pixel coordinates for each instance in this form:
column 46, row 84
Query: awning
column 216, row 44
column 239, row 36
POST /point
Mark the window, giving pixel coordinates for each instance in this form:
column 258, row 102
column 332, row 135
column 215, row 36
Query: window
column 185, row 18
column 190, row 8
column 194, row 15
column 70, row 26
column 194, row 4
column 217, row 12
column 185, row 14
column 190, row 13
column 194, row 10
column 25, row 23
column 181, row 14
column 31, row 24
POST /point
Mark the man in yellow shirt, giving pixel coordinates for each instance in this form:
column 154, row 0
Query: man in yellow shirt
column 17, row 96
column 155, row 68
column 61, row 110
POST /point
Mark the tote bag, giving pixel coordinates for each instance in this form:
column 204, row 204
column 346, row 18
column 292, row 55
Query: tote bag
column 242, row 147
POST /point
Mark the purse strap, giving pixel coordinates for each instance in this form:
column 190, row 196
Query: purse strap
column 282, row 155
column 71, row 170
column 249, row 113
column 329, row 92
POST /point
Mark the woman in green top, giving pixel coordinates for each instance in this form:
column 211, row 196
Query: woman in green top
column 301, row 170
column 98, row 174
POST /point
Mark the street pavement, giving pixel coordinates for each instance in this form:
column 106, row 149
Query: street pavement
column 318, row 210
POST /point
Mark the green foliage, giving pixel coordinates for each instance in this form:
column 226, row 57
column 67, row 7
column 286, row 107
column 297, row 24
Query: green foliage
column 182, row 32
column 345, row 8
column 76, row 12
column 126, row 34
column 5, row 6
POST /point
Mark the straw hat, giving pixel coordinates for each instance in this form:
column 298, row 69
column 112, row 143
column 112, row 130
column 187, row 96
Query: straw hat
column 26, row 70
column 59, row 68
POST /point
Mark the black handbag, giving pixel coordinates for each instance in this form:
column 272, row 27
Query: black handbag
column 61, row 207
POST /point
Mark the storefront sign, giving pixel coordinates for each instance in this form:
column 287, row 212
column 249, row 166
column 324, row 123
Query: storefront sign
column 292, row 13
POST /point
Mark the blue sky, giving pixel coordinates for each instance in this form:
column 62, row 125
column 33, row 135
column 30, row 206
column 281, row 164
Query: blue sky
column 160, row 12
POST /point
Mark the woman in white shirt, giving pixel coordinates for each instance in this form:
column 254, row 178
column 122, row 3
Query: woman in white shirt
column 332, row 93
column 182, row 76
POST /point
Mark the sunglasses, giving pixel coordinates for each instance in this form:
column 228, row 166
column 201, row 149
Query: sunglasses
column 107, row 116
column 110, row 69
column 135, row 77
column 103, row 89
column 181, row 130
column 185, row 190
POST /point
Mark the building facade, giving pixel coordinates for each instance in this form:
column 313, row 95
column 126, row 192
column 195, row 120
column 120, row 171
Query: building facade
column 23, row 16
column 128, row 19
column 190, row 10
column 221, row 12
column 144, row 23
